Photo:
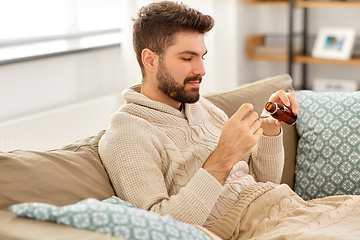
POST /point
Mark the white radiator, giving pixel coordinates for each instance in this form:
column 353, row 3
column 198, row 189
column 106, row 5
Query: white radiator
column 58, row 127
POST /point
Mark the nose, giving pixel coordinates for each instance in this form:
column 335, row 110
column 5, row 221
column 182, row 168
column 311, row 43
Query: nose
column 199, row 68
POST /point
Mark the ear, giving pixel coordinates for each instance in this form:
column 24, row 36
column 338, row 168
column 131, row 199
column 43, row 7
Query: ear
column 148, row 58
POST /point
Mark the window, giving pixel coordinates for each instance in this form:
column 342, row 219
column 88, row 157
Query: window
column 37, row 18
column 31, row 24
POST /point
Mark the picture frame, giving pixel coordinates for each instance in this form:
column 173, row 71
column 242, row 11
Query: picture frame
column 334, row 43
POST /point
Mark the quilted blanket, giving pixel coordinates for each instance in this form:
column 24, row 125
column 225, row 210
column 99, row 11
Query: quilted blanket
column 269, row 211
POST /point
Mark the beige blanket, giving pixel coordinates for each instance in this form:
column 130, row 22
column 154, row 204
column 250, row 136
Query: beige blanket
column 269, row 211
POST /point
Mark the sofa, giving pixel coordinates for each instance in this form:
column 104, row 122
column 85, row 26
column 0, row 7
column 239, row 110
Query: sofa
column 74, row 173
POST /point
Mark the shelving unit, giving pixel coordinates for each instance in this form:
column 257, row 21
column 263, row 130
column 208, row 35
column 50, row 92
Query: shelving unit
column 308, row 4
column 258, row 40
column 290, row 57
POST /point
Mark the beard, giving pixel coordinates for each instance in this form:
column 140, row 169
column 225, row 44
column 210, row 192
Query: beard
column 168, row 85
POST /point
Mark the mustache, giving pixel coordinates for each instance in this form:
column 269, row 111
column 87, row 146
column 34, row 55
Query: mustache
column 194, row 78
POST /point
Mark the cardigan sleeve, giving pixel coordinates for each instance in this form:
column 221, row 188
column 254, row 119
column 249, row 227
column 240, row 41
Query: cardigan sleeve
column 267, row 159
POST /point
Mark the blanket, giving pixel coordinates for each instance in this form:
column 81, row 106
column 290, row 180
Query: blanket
column 269, row 211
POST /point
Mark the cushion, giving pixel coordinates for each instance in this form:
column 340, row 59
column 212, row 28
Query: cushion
column 112, row 216
column 258, row 93
column 328, row 158
column 19, row 228
column 59, row 177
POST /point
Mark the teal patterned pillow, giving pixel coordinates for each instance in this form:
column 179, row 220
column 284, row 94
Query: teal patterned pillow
column 328, row 155
column 112, row 216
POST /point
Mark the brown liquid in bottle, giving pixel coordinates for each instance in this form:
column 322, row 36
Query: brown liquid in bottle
column 281, row 112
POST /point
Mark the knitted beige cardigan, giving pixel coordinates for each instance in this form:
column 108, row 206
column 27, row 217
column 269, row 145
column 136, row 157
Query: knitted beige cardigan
column 154, row 154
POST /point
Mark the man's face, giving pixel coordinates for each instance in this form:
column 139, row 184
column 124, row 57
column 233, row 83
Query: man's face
column 181, row 68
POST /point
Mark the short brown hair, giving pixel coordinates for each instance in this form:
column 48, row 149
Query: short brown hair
column 157, row 24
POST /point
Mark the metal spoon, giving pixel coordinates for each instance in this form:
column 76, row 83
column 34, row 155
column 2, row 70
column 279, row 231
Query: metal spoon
column 260, row 116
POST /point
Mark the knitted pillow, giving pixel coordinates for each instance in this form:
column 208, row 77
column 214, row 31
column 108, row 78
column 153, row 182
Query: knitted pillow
column 112, row 216
column 328, row 157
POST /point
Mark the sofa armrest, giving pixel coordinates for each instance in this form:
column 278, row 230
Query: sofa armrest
column 13, row 227
column 59, row 177
column 258, row 93
column 291, row 139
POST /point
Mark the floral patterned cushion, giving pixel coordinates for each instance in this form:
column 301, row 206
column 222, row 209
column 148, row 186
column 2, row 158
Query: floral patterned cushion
column 328, row 157
column 112, row 216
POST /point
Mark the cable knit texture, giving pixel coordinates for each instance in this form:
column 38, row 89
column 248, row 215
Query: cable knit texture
column 154, row 155
column 236, row 182
column 266, row 211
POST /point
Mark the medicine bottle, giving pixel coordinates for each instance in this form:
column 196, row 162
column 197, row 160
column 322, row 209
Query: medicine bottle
column 281, row 112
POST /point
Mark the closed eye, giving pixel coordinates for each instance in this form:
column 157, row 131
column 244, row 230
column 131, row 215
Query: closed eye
column 189, row 59
column 191, row 54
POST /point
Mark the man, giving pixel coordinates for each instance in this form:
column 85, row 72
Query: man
column 170, row 151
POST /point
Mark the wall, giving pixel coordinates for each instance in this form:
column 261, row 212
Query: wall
column 33, row 86
column 51, row 102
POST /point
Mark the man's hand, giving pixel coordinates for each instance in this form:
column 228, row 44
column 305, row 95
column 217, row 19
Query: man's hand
column 240, row 134
column 270, row 125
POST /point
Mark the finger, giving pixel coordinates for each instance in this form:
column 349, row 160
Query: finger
column 255, row 125
column 278, row 123
column 258, row 133
column 251, row 117
column 271, row 121
column 243, row 111
column 280, row 96
column 284, row 98
column 294, row 105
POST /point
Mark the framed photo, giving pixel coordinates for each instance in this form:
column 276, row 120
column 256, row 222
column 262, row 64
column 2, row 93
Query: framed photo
column 334, row 43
